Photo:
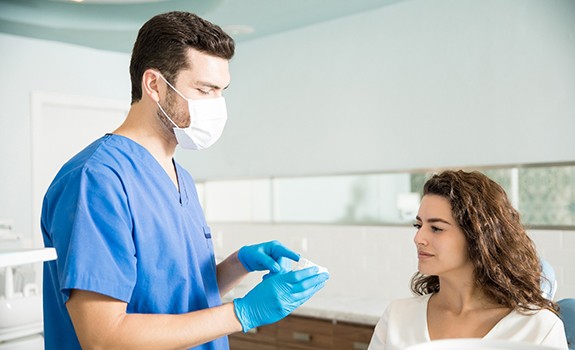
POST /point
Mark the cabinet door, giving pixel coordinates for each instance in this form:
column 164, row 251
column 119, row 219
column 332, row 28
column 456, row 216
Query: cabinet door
column 243, row 344
column 295, row 332
column 348, row 336
column 263, row 334
column 259, row 338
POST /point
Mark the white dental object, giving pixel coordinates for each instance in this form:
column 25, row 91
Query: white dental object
column 305, row 263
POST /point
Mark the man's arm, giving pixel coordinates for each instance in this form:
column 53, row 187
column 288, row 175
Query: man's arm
column 271, row 256
column 101, row 322
column 230, row 273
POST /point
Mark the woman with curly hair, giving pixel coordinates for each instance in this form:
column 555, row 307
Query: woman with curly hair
column 478, row 272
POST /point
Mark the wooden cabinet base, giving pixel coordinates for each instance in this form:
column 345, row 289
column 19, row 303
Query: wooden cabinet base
column 304, row 333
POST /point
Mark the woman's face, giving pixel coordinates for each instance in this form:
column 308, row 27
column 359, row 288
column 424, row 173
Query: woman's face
column 440, row 242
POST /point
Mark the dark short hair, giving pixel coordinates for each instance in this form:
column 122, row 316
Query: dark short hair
column 505, row 261
column 163, row 44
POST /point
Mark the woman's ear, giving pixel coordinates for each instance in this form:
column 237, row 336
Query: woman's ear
column 150, row 86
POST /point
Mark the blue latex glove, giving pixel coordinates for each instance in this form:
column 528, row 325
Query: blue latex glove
column 277, row 296
column 266, row 256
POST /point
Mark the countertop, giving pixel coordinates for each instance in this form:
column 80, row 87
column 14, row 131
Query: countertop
column 14, row 257
column 366, row 311
column 359, row 310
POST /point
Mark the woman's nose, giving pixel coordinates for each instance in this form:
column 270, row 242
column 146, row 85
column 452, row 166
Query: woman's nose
column 419, row 238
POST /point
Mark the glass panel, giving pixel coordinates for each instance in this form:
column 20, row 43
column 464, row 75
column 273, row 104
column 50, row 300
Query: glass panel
column 238, row 201
column 330, row 199
column 367, row 199
column 201, row 197
column 261, row 200
column 507, row 178
column 545, row 196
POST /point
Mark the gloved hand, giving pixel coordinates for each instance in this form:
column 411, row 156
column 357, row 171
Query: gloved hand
column 266, row 256
column 277, row 296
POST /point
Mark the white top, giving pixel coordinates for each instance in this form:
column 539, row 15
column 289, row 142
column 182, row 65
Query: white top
column 477, row 344
column 404, row 323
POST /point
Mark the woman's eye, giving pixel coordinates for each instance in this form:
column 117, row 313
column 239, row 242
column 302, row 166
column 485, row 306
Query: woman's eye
column 204, row 92
column 417, row 226
column 435, row 229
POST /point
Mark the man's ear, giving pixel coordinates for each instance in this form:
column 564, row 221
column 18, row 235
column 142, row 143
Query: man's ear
column 150, row 86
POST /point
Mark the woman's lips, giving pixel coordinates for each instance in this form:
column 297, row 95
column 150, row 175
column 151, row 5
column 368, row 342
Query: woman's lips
column 424, row 255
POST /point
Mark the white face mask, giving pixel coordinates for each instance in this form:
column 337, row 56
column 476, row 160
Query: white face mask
column 207, row 120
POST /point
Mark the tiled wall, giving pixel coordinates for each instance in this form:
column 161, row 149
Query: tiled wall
column 558, row 247
column 374, row 262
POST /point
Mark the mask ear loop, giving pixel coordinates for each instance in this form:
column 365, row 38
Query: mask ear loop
column 158, row 103
column 166, row 114
column 172, row 86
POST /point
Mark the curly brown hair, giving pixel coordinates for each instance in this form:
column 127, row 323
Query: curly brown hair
column 506, row 265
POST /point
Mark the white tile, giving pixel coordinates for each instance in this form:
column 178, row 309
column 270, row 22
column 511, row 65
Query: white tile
column 568, row 239
column 547, row 242
column 376, row 261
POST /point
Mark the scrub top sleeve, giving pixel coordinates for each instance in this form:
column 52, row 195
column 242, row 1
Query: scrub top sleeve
column 98, row 253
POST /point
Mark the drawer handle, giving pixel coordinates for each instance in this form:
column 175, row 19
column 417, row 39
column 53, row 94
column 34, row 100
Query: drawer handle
column 360, row 346
column 299, row 336
column 253, row 330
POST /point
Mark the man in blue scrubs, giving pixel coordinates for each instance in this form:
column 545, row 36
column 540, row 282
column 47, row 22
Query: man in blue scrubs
column 135, row 265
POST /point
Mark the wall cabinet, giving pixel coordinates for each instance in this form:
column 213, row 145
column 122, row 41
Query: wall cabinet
column 304, row 333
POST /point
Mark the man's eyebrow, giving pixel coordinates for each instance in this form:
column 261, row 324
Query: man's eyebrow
column 210, row 85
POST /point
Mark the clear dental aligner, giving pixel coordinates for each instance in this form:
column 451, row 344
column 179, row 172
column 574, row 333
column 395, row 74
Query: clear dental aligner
column 305, row 263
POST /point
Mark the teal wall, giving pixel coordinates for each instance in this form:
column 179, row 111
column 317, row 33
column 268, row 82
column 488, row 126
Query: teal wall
column 418, row 84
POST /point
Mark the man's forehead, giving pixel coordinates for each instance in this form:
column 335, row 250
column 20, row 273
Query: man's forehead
column 209, row 72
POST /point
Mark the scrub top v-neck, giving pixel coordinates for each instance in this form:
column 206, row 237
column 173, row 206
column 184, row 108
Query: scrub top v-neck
column 121, row 228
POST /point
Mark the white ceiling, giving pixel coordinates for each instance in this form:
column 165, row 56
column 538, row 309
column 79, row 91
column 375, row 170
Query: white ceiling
column 113, row 24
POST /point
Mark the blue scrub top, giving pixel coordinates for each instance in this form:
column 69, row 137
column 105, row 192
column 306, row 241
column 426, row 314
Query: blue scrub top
column 121, row 228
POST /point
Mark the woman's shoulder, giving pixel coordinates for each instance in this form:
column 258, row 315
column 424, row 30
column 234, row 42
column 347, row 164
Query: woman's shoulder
column 418, row 299
column 543, row 316
column 539, row 327
column 404, row 304
column 540, row 321
column 404, row 323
